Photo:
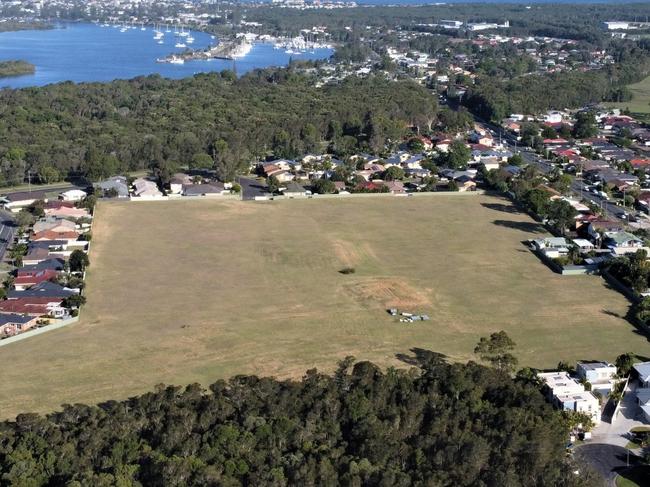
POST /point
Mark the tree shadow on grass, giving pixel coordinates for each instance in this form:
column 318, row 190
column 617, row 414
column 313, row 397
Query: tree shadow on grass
column 421, row 356
column 613, row 313
column 502, row 207
column 529, row 227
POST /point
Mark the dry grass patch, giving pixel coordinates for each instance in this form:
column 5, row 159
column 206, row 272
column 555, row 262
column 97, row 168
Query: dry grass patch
column 197, row 290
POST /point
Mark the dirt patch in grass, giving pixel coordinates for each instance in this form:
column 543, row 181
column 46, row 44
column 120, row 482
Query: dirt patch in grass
column 346, row 252
column 389, row 292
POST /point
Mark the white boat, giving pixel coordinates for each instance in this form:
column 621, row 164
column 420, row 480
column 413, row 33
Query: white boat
column 161, row 41
column 180, row 45
column 176, row 60
column 189, row 40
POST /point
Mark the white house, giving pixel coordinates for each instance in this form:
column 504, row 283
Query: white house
column 582, row 402
column 568, row 394
column 72, row 195
column 583, row 244
column 601, row 375
column 553, row 117
column 551, row 247
column 559, row 383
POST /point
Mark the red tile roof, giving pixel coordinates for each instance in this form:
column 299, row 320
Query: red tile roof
column 35, row 277
column 52, row 235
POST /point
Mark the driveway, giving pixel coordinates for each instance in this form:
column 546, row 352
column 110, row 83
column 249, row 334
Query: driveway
column 252, row 187
column 629, row 416
column 607, row 460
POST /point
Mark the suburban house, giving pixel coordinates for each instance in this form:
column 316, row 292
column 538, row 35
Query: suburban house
column 177, row 182
column 559, row 383
column 643, row 400
column 73, row 195
column 32, row 278
column 116, row 184
column 642, row 370
column 601, row 375
column 568, row 394
column 643, row 392
column 66, row 235
column 11, row 323
column 45, row 289
column 53, row 263
column 35, row 306
column 622, row 242
column 17, row 201
column 54, row 224
column 395, row 187
column 62, row 248
column 583, row 244
column 582, row 402
column 295, row 190
column 68, row 212
column 36, row 255
column 551, row 247
column 143, row 188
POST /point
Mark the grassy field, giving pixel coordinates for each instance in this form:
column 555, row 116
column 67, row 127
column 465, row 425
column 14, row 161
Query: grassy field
column 194, row 291
column 640, row 102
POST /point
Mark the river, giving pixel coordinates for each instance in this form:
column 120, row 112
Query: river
column 90, row 52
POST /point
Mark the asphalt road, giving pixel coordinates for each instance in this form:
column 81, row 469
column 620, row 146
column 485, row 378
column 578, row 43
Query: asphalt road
column 7, row 230
column 578, row 187
column 40, row 191
column 252, row 187
column 607, row 460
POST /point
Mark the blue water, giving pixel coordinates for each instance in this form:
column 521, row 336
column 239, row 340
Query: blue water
column 89, row 52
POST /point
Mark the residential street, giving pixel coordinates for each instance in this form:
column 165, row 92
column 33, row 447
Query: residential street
column 252, row 187
column 7, row 230
column 611, row 210
column 607, row 460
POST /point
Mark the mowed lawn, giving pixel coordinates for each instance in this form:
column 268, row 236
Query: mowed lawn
column 198, row 290
column 640, row 102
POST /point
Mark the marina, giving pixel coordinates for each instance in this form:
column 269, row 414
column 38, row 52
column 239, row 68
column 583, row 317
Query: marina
column 85, row 52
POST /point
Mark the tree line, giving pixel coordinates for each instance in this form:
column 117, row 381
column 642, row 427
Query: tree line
column 436, row 424
column 210, row 120
column 496, row 99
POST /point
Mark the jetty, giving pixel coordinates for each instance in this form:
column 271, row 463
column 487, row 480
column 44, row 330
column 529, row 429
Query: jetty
column 228, row 50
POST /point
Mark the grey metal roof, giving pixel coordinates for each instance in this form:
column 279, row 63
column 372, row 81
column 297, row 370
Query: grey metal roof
column 643, row 370
column 6, row 319
column 44, row 289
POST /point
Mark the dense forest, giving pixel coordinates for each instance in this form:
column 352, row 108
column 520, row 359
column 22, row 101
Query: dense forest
column 439, row 424
column 495, row 99
column 581, row 22
column 150, row 122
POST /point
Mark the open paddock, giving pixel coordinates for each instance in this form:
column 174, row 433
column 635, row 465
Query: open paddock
column 197, row 290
